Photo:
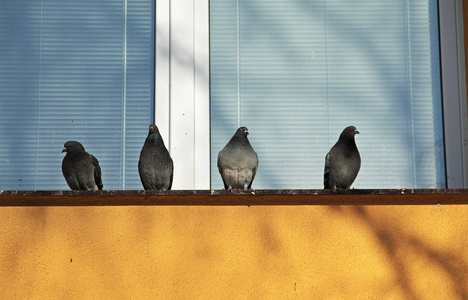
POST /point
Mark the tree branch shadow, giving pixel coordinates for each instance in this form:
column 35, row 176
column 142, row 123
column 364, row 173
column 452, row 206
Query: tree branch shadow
column 392, row 241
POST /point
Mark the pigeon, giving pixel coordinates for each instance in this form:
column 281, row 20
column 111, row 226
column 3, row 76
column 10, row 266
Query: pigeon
column 342, row 162
column 238, row 162
column 80, row 169
column 155, row 165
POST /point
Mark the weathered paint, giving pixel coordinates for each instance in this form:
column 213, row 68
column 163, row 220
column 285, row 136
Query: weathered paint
column 259, row 252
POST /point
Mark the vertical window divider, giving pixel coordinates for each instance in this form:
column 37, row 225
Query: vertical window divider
column 453, row 93
column 124, row 93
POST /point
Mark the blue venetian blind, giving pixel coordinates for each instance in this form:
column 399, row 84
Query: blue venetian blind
column 74, row 70
column 296, row 73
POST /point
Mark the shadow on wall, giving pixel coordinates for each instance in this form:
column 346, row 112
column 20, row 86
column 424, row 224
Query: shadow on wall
column 213, row 252
column 414, row 261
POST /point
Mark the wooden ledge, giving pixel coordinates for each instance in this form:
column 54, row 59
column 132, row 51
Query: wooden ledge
column 235, row 198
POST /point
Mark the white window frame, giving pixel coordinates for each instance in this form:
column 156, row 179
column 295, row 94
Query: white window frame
column 454, row 92
column 182, row 89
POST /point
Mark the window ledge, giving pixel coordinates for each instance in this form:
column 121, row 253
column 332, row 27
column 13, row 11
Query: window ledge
column 235, row 198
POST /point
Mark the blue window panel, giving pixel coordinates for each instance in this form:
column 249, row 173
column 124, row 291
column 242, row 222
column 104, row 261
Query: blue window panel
column 74, row 70
column 296, row 73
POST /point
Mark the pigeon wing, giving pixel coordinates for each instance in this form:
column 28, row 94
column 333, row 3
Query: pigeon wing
column 69, row 174
column 144, row 169
column 254, row 169
column 326, row 173
column 172, row 175
column 254, row 172
column 97, row 172
column 221, row 168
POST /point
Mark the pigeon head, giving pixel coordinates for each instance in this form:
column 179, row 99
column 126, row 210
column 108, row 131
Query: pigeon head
column 73, row 147
column 153, row 135
column 349, row 131
column 242, row 131
column 153, row 129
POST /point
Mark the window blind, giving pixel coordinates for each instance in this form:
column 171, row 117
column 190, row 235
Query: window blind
column 74, row 70
column 296, row 73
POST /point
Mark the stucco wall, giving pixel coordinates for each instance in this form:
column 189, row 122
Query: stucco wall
column 277, row 252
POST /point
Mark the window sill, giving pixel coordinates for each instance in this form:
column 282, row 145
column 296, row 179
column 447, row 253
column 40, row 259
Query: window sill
column 235, row 198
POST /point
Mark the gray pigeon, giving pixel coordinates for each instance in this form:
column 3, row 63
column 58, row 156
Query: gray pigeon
column 343, row 162
column 80, row 169
column 238, row 162
column 155, row 165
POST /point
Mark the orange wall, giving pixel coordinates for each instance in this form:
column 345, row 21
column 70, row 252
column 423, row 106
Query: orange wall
column 281, row 252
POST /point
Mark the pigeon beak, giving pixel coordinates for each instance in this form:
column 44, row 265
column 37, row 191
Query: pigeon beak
column 246, row 132
column 356, row 131
column 64, row 150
